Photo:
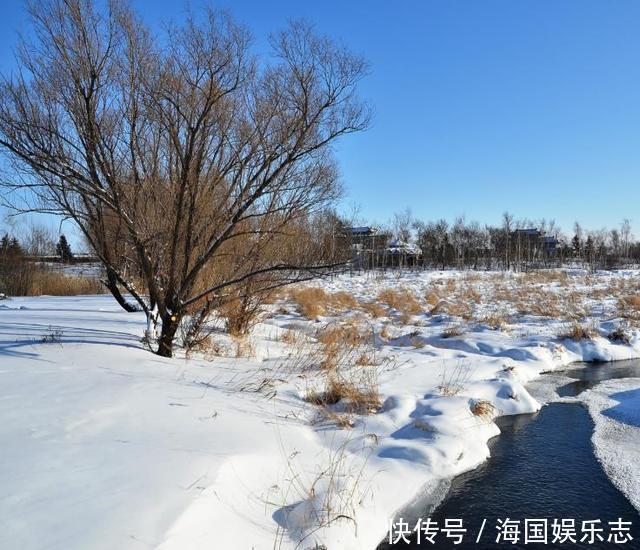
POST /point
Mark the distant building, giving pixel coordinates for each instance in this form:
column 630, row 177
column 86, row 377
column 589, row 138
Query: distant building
column 532, row 242
column 371, row 247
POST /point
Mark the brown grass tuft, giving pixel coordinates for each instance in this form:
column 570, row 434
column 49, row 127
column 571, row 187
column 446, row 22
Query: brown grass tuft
column 342, row 301
column 580, row 331
column 356, row 399
column 452, row 331
column 495, row 320
column 311, row 301
column 402, row 300
column 484, row 409
column 374, row 309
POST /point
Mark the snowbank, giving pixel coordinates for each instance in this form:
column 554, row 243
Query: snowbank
column 108, row 446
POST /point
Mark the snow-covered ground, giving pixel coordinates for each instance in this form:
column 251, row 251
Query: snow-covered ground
column 105, row 445
column 615, row 407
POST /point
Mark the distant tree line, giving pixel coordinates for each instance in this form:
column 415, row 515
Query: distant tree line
column 517, row 245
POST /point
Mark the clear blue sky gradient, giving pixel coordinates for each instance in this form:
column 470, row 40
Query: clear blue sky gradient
column 481, row 106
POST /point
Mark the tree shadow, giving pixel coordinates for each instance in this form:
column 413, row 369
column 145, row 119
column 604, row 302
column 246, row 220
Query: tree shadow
column 14, row 336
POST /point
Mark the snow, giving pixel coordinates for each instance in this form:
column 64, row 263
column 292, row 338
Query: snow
column 615, row 407
column 108, row 446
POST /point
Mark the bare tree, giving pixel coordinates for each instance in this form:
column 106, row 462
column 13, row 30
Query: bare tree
column 196, row 156
column 402, row 224
column 507, row 226
column 625, row 234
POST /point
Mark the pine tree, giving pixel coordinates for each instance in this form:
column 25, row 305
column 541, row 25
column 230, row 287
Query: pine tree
column 4, row 245
column 15, row 249
column 64, row 250
column 576, row 245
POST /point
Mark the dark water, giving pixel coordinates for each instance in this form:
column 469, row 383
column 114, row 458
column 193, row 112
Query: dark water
column 589, row 375
column 541, row 466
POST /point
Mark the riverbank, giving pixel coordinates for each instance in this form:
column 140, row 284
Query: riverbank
column 242, row 444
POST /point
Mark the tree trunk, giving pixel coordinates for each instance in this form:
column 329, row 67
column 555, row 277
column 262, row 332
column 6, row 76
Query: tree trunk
column 167, row 335
column 112, row 285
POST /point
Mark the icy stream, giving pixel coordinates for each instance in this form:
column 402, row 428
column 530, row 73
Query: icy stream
column 542, row 466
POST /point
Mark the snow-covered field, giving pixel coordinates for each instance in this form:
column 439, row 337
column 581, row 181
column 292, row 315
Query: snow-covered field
column 105, row 445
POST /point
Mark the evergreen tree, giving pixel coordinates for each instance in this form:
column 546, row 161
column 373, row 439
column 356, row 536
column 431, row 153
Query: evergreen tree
column 576, row 245
column 4, row 245
column 15, row 249
column 64, row 250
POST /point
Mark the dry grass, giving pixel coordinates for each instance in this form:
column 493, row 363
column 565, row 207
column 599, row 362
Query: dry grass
column 243, row 347
column 51, row 283
column 355, row 398
column 417, row 342
column 374, row 309
column 402, row 300
column 545, row 276
column 580, row 331
column 349, row 333
column 241, row 314
column 432, row 298
column 453, row 380
column 290, row 337
column 313, row 302
column 629, row 305
column 342, row 344
column 497, row 320
column 483, row 409
column 470, row 294
column 342, row 301
column 310, row 301
column 452, row 331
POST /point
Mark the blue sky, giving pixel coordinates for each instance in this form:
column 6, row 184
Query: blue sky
column 481, row 106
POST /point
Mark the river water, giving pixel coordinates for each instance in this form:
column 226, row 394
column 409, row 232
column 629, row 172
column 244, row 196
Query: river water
column 542, row 466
